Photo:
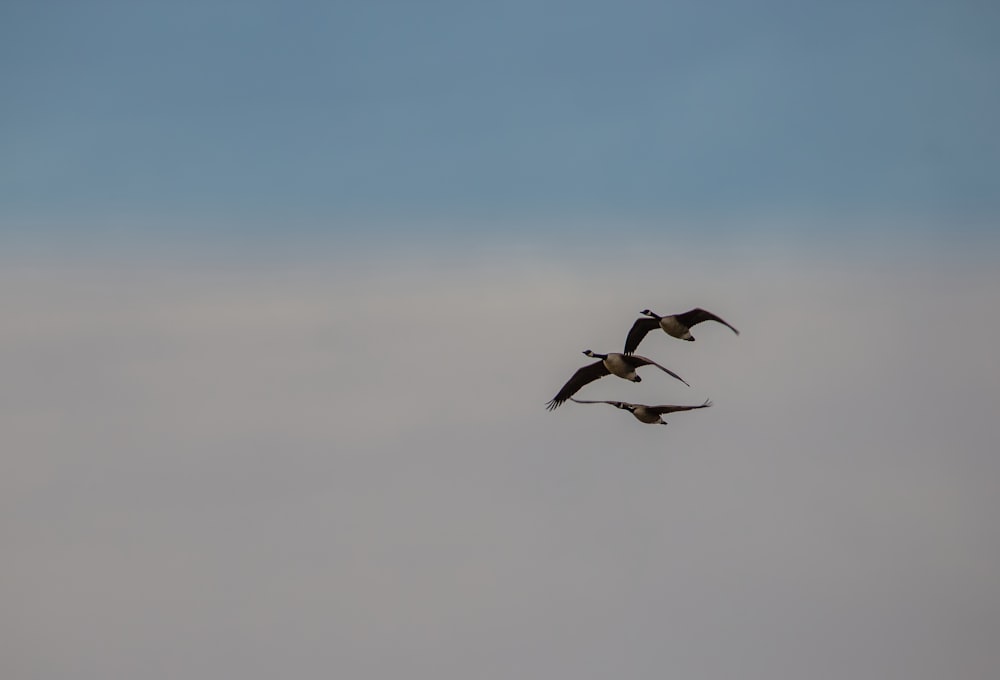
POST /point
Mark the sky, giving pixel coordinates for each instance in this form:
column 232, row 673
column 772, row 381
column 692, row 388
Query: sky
column 286, row 287
column 213, row 117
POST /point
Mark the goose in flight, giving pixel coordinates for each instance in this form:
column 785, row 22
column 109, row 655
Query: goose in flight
column 677, row 325
column 643, row 413
column 612, row 363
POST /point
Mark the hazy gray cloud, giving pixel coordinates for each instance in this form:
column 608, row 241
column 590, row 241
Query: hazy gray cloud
column 349, row 469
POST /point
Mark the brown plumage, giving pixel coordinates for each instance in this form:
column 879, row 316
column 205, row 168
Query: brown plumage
column 612, row 363
column 646, row 414
column 677, row 325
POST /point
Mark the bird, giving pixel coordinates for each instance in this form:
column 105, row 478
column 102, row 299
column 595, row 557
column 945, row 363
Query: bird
column 643, row 413
column 612, row 363
column 677, row 325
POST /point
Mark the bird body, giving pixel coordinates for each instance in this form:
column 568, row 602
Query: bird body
column 616, row 364
column 613, row 363
column 646, row 414
column 675, row 325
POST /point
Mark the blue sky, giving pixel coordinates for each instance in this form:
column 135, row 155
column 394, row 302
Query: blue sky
column 256, row 118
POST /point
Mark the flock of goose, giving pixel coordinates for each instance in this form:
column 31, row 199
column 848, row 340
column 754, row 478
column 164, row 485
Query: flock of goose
column 624, row 364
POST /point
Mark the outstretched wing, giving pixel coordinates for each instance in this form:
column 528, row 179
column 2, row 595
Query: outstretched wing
column 619, row 404
column 588, row 373
column 642, row 361
column 660, row 410
column 697, row 315
column 638, row 332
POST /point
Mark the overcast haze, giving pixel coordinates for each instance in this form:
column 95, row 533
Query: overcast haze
column 252, row 472
column 285, row 289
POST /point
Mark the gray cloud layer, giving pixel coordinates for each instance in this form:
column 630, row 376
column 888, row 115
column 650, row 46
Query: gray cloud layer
column 350, row 471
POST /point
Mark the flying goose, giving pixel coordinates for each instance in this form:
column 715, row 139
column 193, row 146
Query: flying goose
column 677, row 325
column 612, row 363
column 643, row 413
